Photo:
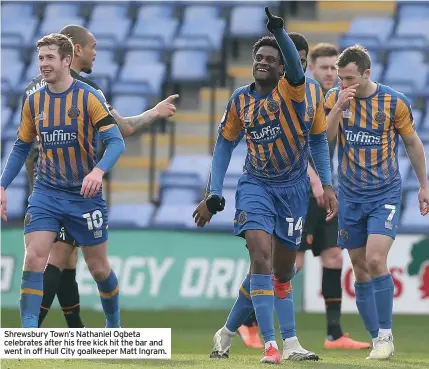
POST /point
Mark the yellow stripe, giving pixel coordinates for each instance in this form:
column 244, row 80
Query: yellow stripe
column 262, row 293
column 244, row 292
column 31, row 291
column 131, row 187
column 307, row 27
column 139, row 162
column 370, row 6
column 220, row 93
column 178, row 140
column 70, row 307
column 107, row 295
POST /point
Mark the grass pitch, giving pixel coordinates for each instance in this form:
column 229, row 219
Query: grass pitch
column 192, row 333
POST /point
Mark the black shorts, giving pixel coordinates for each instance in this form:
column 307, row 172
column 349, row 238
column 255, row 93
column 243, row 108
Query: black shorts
column 64, row 236
column 318, row 235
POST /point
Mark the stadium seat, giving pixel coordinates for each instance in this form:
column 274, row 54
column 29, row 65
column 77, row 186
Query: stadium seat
column 413, row 11
column 162, row 29
column 108, row 35
column 248, row 21
column 6, row 115
column 189, row 66
column 33, row 70
column 16, row 10
column 210, row 28
column 372, row 32
column 129, row 105
column 110, row 12
column 12, row 72
column 148, row 12
column 57, row 10
column 203, row 12
column 224, row 221
column 198, row 164
column 56, row 24
column 147, row 78
column 413, row 27
column 142, row 57
column 173, row 216
column 376, row 71
column 130, row 215
column 19, row 28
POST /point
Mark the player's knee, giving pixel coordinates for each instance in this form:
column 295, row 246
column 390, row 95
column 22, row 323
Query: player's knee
column 285, row 274
column 35, row 259
column 332, row 258
column 98, row 268
column 376, row 264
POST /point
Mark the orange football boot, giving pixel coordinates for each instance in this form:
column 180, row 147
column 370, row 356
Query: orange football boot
column 345, row 343
column 271, row 356
column 250, row 336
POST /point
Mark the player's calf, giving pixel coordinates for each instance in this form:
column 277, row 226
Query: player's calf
column 107, row 282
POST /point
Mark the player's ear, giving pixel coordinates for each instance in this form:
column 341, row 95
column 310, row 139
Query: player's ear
column 282, row 70
column 367, row 74
column 67, row 60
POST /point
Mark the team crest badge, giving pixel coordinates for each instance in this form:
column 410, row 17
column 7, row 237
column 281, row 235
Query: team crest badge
column 344, row 235
column 272, row 106
column 380, row 117
column 242, row 218
column 73, row 112
column 310, row 111
column 27, row 219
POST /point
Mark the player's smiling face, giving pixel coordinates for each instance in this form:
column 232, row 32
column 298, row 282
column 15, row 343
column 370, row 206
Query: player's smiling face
column 51, row 66
column 266, row 65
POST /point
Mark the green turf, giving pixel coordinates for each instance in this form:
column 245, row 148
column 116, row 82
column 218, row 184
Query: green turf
column 192, row 337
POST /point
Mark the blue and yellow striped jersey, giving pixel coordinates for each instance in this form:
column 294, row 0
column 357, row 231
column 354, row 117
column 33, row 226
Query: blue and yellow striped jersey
column 66, row 126
column 368, row 143
column 275, row 128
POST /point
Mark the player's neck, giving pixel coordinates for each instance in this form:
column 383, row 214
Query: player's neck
column 368, row 91
column 62, row 85
column 264, row 89
column 75, row 68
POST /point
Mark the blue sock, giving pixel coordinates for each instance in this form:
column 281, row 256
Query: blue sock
column 285, row 311
column 365, row 302
column 109, row 295
column 383, row 294
column 261, row 290
column 31, row 298
column 242, row 308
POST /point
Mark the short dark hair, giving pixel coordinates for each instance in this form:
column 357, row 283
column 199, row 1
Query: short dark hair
column 78, row 34
column 355, row 54
column 321, row 50
column 267, row 41
column 300, row 41
column 65, row 45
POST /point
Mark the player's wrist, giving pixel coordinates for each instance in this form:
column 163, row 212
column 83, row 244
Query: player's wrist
column 98, row 170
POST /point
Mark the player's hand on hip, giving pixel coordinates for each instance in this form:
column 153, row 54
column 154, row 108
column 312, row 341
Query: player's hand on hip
column 92, row 182
column 273, row 22
column 3, row 200
column 166, row 108
column 345, row 96
column 331, row 203
column 318, row 193
column 424, row 201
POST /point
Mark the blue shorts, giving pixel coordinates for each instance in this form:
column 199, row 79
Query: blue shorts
column 279, row 211
column 84, row 220
column 64, row 236
column 358, row 220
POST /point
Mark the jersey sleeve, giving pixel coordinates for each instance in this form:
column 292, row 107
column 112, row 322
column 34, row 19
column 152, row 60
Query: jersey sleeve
column 295, row 93
column 99, row 113
column 27, row 129
column 330, row 100
column 230, row 125
column 404, row 120
column 319, row 123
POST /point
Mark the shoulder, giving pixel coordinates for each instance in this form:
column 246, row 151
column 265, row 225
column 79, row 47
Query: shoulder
column 81, row 85
column 35, row 84
column 311, row 82
column 333, row 93
column 86, row 80
column 240, row 91
column 389, row 91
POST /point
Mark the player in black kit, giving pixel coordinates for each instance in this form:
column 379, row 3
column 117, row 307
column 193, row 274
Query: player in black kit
column 60, row 274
